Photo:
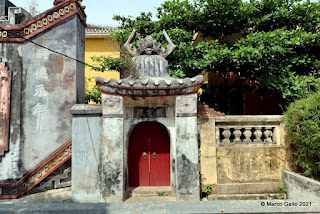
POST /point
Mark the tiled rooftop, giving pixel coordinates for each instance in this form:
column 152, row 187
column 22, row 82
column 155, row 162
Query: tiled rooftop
column 97, row 29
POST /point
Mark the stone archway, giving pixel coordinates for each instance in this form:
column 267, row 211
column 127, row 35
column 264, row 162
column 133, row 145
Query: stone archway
column 149, row 155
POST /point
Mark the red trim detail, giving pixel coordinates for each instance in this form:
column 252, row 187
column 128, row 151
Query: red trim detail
column 12, row 40
column 39, row 18
column 34, row 171
column 50, row 25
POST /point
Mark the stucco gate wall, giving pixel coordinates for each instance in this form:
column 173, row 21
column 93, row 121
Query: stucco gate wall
column 108, row 180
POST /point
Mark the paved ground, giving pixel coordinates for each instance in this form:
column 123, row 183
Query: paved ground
column 50, row 202
column 16, row 207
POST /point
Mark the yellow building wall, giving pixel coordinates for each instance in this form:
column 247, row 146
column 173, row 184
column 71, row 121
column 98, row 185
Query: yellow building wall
column 100, row 45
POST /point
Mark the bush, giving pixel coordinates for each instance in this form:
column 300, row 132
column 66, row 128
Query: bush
column 92, row 94
column 303, row 128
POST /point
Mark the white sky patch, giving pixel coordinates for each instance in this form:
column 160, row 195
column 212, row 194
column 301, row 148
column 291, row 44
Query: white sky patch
column 100, row 12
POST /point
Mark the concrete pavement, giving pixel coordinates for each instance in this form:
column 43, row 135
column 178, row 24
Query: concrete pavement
column 250, row 206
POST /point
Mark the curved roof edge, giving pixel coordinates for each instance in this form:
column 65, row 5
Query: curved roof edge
column 43, row 22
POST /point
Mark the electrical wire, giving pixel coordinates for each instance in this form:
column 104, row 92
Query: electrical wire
column 95, row 68
column 49, row 49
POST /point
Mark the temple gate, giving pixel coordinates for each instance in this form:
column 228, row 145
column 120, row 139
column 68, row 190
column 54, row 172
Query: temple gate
column 134, row 110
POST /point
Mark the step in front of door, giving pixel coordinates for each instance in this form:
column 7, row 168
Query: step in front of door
column 150, row 190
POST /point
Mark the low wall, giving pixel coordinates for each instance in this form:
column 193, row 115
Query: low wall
column 86, row 163
column 301, row 187
column 243, row 154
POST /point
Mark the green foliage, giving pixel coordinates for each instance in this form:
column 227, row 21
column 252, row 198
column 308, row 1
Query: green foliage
column 283, row 188
column 92, row 94
column 282, row 60
column 303, row 128
column 162, row 194
column 280, row 197
column 123, row 64
column 280, row 47
column 209, row 188
column 268, row 15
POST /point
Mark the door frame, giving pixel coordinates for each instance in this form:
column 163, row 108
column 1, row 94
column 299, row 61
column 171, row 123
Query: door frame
column 159, row 130
column 167, row 122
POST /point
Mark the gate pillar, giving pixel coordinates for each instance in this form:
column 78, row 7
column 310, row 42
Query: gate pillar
column 112, row 149
column 187, row 158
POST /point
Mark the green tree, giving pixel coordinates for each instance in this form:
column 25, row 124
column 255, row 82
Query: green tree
column 279, row 47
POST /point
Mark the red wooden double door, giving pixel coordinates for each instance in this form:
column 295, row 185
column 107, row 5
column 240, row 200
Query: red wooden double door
column 149, row 155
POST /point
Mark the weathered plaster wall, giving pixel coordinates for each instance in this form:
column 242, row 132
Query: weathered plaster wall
column 251, row 164
column 208, row 151
column 187, row 151
column 86, row 163
column 80, row 68
column 300, row 187
column 50, row 90
column 10, row 163
column 119, row 116
column 187, row 160
column 112, row 149
column 45, row 86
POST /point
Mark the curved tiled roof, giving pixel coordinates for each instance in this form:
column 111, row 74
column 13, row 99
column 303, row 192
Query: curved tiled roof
column 150, row 86
column 97, row 29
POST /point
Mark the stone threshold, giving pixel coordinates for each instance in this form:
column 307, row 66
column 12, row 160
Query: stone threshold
column 150, row 190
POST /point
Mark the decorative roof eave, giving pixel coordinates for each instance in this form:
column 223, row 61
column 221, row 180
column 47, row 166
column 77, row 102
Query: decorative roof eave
column 99, row 30
column 150, row 87
column 42, row 22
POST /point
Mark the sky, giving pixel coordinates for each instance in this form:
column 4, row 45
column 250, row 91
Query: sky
column 100, row 12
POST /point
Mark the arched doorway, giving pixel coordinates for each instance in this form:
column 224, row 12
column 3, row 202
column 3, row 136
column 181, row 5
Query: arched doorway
column 149, row 155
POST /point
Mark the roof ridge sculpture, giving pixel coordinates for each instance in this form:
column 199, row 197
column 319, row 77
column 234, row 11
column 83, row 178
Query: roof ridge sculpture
column 152, row 78
column 149, row 45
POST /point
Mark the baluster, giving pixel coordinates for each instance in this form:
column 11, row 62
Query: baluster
column 257, row 135
column 226, row 136
column 267, row 134
column 237, row 134
column 247, row 134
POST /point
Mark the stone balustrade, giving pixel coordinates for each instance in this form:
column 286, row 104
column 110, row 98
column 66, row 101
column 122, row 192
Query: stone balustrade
column 243, row 154
column 247, row 130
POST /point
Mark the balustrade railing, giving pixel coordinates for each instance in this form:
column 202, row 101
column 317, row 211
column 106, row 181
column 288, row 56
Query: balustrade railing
column 243, row 130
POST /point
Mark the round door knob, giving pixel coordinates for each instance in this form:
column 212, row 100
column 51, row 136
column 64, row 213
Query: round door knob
column 154, row 155
column 144, row 155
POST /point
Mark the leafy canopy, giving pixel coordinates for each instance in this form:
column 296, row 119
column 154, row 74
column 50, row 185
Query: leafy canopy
column 277, row 44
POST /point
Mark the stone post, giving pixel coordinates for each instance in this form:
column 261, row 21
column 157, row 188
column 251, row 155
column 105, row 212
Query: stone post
column 86, row 139
column 112, row 149
column 187, row 161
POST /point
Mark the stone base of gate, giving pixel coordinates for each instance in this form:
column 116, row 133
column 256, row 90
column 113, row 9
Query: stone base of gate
column 101, row 140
